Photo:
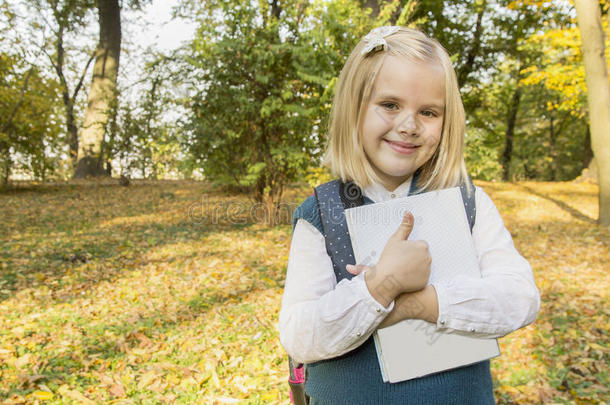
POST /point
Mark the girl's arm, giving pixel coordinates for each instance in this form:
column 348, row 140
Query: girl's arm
column 503, row 300
column 319, row 318
column 422, row 304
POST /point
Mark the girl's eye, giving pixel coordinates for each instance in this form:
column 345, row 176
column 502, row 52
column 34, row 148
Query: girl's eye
column 389, row 106
column 428, row 113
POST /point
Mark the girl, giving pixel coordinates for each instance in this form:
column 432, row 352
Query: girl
column 398, row 119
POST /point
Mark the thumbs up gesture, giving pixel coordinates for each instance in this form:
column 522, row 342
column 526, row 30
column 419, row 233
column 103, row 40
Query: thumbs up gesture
column 404, row 265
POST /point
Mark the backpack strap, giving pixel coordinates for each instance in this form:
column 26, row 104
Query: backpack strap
column 333, row 198
column 297, row 382
column 467, row 189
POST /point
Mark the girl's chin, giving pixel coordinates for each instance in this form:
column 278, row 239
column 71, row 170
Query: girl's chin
column 397, row 178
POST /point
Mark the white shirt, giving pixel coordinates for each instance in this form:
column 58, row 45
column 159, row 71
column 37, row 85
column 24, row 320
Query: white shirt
column 320, row 319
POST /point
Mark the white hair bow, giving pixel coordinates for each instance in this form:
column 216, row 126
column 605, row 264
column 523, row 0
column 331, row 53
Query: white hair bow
column 375, row 39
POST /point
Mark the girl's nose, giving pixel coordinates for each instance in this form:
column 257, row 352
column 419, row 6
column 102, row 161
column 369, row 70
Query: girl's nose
column 408, row 124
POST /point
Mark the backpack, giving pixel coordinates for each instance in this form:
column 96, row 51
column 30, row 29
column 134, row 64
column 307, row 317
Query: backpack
column 333, row 198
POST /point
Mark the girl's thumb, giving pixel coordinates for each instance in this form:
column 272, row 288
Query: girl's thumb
column 355, row 270
column 406, row 226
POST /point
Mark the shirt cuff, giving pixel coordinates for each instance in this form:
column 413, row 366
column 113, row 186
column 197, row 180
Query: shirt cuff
column 442, row 322
column 451, row 324
column 366, row 295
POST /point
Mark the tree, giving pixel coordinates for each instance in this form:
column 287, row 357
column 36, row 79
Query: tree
column 66, row 18
column 598, row 96
column 103, row 93
column 266, row 74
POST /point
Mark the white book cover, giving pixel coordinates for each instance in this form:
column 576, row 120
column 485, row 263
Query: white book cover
column 413, row 348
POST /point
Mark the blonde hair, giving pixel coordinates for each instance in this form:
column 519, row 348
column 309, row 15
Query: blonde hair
column 345, row 155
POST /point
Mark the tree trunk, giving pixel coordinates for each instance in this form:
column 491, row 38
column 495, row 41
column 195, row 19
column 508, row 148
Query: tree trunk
column 598, row 96
column 510, row 133
column 588, row 152
column 5, row 164
column 552, row 152
column 103, row 92
column 72, row 133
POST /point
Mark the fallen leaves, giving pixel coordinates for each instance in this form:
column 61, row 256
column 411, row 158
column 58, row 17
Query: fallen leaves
column 143, row 304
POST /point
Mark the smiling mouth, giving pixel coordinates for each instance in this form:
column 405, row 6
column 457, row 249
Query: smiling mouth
column 402, row 147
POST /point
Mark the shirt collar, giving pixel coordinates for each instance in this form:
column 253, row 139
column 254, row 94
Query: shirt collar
column 378, row 193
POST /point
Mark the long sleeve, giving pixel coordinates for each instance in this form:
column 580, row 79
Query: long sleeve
column 505, row 298
column 319, row 318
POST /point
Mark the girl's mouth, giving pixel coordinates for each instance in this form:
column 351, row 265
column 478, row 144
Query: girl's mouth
column 401, row 147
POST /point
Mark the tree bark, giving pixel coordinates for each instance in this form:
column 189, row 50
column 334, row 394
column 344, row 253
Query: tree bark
column 588, row 152
column 103, row 92
column 510, row 133
column 598, row 96
column 552, row 152
column 5, row 164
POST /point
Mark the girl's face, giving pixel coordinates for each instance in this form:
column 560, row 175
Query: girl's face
column 403, row 120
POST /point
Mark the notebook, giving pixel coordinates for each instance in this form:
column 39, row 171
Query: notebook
column 413, row 348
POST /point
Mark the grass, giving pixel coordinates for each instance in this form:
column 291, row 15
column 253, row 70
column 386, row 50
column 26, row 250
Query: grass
column 169, row 292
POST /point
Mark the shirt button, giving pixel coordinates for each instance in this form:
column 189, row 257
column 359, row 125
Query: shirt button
column 358, row 334
column 393, row 195
column 378, row 310
column 442, row 322
column 473, row 330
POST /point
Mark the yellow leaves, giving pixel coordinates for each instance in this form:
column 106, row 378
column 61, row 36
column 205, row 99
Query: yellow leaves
column 270, row 395
column 147, row 379
column 75, row 395
column 601, row 348
column 41, row 395
column 22, row 361
column 117, row 390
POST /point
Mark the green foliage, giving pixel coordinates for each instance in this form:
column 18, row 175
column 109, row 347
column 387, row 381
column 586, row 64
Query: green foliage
column 317, row 175
column 30, row 138
column 139, row 137
column 259, row 117
column 481, row 160
column 492, row 64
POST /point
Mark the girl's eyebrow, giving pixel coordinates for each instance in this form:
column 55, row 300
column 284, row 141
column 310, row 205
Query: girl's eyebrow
column 435, row 106
column 387, row 96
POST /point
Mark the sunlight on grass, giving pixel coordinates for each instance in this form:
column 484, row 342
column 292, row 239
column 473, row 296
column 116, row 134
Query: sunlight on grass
column 159, row 293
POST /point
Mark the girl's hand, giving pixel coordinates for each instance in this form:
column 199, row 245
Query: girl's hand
column 422, row 304
column 404, row 266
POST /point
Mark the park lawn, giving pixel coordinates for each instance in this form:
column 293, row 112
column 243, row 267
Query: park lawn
column 169, row 292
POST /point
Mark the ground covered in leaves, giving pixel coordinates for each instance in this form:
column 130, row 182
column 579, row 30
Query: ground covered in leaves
column 169, row 292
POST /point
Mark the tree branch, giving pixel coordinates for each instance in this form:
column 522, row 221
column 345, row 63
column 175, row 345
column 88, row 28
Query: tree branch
column 82, row 76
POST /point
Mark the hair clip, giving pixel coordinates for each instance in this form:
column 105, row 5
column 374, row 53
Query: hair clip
column 375, row 39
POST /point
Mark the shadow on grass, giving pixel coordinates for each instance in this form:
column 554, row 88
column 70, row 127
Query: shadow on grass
column 570, row 210
column 42, row 239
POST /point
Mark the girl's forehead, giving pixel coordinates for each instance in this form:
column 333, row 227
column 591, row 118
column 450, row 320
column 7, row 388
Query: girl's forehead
column 400, row 74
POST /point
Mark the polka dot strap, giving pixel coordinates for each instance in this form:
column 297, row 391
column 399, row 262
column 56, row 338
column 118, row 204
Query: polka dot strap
column 469, row 203
column 333, row 198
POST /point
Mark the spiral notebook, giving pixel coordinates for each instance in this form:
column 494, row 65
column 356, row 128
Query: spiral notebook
column 413, row 348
